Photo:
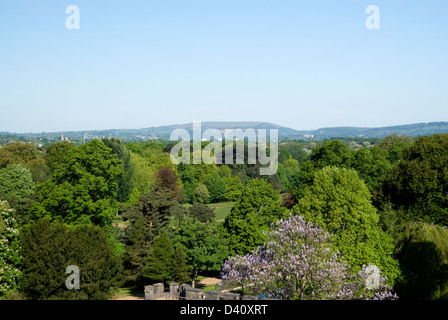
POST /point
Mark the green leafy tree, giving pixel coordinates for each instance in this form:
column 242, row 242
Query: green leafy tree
column 204, row 247
column 143, row 176
column 189, row 183
column 234, row 188
column 180, row 268
column 224, row 171
column 202, row 170
column 282, row 177
column 216, row 187
column 83, row 188
column 100, row 267
column 150, row 215
column 258, row 207
column 201, row 212
column 39, row 171
column 161, row 160
column 16, row 182
column 124, row 181
column 10, row 252
column 394, row 144
column 423, row 255
column 17, row 153
column 137, row 243
column 156, row 208
column 331, row 153
column 49, row 248
column 372, row 164
column 56, row 152
column 159, row 263
column 201, row 194
column 340, row 202
column 417, row 187
column 44, row 249
column 146, row 149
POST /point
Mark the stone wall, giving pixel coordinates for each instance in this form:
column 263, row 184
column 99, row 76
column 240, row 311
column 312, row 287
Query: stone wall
column 186, row 292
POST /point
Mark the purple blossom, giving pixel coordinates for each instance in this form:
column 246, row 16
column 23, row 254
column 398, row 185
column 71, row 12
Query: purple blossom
column 298, row 261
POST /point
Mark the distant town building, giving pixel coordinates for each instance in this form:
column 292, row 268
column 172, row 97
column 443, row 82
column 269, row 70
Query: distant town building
column 64, row 138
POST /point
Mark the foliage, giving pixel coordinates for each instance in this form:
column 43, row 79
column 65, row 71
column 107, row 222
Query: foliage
column 189, row 183
column 253, row 214
column 224, row 171
column 394, row 144
column 234, row 188
column 83, row 188
column 372, row 164
column 145, row 149
column 204, row 247
column 339, row 202
column 330, row 153
column 39, row 171
column 201, row 194
column 166, row 262
column 48, row 249
column 155, row 208
column 10, row 253
column 159, row 262
column 55, row 154
column 167, row 178
column 418, row 187
column 179, row 267
column 146, row 218
column 297, row 262
column 16, row 182
column 201, row 212
column 423, row 255
column 136, row 250
column 125, row 181
column 216, row 187
column 142, row 179
column 17, row 153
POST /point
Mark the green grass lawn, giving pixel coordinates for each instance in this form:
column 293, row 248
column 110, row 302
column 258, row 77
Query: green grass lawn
column 222, row 209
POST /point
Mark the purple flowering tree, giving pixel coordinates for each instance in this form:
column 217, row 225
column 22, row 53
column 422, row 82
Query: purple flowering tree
column 299, row 262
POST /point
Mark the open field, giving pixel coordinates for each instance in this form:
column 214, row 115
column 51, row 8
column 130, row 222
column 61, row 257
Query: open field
column 222, row 209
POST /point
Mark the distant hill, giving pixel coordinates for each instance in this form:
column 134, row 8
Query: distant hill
column 164, row 132
column 413, row 130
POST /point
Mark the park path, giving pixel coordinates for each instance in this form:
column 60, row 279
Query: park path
column 205, row 282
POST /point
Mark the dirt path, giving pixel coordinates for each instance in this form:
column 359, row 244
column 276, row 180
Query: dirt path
column 209, row 281
column 132, row 297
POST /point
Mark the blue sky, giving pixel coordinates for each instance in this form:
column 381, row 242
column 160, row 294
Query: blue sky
column 300, row 64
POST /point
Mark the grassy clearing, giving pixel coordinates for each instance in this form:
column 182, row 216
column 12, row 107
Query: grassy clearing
column 222, row 209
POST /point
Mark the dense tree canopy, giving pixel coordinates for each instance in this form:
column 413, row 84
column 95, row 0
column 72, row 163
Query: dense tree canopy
column 56, row 152
column 204, row 247
column 126, row 215
column 423, row 255
column 16, row 182
column 10, row 252
column 258, row 207
column 417, row 187
column 17, row 153
column 83, row 188
column 298, row 262
column 339, row 202
column 48, row 249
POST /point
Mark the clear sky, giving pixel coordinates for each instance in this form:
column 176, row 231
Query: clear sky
column 300, row 64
